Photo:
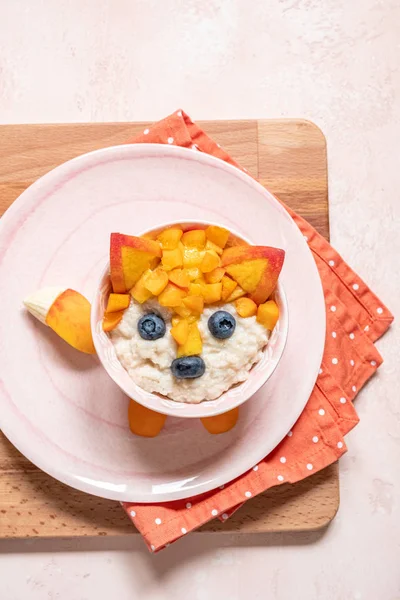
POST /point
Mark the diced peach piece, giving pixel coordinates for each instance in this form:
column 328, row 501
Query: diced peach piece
column 139, row 291
column 238, row 292
column 156, row 281
column 196, row 238
column 170, row 238
column 217, row 235
column 179, row 277
column 221, row 423
column 130, row 257
column 195, row 289
column 255, row 268
column 194, row 303
column 211, row 246
column 246, row 307
column 192, row 257
column 183, row 312
column 171, row 296
column 143, row 421
column 193, row 273
column 69, row 317
column 210, row 262
column 211, row 292
column 117, row 302
column 193, row 345
column 180, row 332
column 228, row 285
column 172, row 259
column 215, row 276
column 111, row 320
column 268, row 314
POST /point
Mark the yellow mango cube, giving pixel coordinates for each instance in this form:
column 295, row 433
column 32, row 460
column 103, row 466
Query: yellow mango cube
column 268, row 314
column 214, row 276
column 195, row 289
column 139, row 291
column 192, row 257
column 171, row 296
column 238, row 292
column 117, row 302
column 156, row 281
column 228, row 285
column 217, row 235
column 211, row 292
column 179, row 277
column 194, row 303
column 193, row 273
column 211, row 246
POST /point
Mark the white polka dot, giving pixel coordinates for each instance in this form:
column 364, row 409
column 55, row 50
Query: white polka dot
column 247, row 494
column 305, row 237
column 310, row 467
column 321, row 412
column 158, row 521
column 255, row 468
column 331, row 263
column 194, row 146
column 214, row 512
column 373, row 363
column 366, row 328
column 354, row 388
column 179, row 113
column 335, row 361
column 379, row 310
column 355, row 286
column 170, row 140
column 352, row 363
column 219, row 146
column 280, row 478
column 246, row 170
column 315, row 439
column 343, row 400
column 183, row 530
column 333, row 308
column 290, row 434
column 282, row 459
column 146, row 132
column 188, row 505
column 152, row 548
column 352, row 336
column 133, row 514
column 333, row 334
column 224, row 516
column 221, row 487
column 320, row 371
column 340, row 444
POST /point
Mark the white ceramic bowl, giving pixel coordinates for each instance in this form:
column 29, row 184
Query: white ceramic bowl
column 230, row 399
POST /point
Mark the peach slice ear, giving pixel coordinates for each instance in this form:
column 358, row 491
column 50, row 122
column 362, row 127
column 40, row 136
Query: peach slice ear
column 255, row 268
column 143, row 421
column 221, row 423
column 130, row 257
column 69, row 317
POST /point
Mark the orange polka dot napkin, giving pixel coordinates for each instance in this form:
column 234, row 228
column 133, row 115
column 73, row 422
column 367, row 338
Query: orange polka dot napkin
column 355, row 319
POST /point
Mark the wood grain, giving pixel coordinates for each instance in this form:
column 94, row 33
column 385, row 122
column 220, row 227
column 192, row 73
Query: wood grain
column 288, row 157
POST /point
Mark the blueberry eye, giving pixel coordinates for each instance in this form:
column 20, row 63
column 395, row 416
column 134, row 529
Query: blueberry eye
column 222, row 324
column 151, row 327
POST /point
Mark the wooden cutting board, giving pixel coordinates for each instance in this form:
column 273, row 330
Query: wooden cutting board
column 289, row 158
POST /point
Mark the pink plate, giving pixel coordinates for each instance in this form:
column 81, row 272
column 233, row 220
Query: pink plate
column 59, row 407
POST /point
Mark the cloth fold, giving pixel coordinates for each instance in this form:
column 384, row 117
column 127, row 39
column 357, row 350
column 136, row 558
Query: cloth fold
column 356, row 318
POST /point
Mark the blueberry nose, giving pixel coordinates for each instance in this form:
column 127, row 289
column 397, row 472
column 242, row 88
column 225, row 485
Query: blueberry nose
column 188, row 367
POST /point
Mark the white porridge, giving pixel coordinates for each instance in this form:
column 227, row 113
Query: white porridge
column 227, row 362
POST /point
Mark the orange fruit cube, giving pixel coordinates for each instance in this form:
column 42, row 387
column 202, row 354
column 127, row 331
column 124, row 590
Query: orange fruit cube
column 211, row 292
column 172, row 259
column 179, row 277
column 217, row 235
column 111, row 320
column 170, row 238
column 180, row 331
column 246, row 307
column 268, row 314
column 193, row 344
column 228, row 285
column 192, row 257
column 238, row 292
column 156, row 281
column 193, row 273
column 194, row 303
column 215, row 275
column 211, row 246
column 195, row 289
column 171, row 296
column 210, row 262
column 139, row 291
column 196, row 238
column 117, row 302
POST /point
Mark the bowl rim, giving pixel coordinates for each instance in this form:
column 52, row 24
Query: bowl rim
column 185, row 409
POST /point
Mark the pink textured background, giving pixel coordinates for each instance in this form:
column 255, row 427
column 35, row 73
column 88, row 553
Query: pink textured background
column 332, row 61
